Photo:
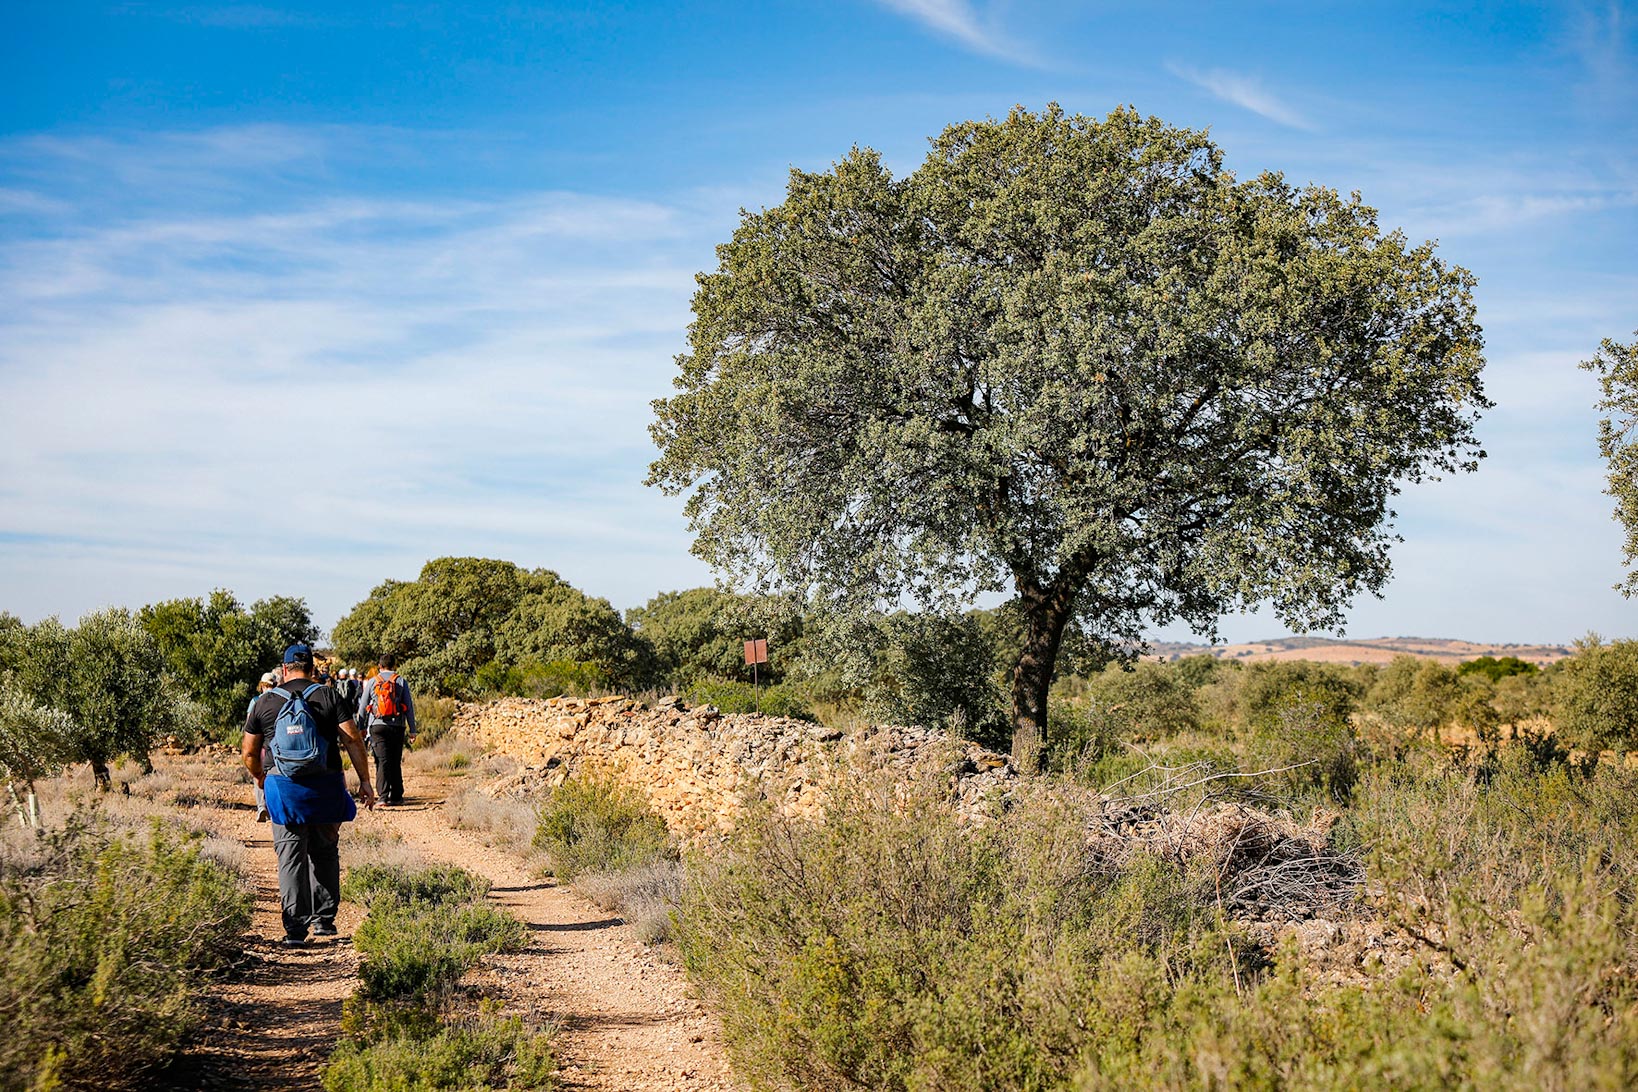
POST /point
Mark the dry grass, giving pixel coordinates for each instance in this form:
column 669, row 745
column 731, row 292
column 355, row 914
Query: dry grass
column 446, row 754
column 507, row 822
column 646, row 896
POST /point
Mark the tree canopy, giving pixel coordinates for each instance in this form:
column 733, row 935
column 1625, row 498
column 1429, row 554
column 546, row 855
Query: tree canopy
column 463, row 614
column 1077, row 359
column 701, row 633
column 1617, row 368
column 215, row 649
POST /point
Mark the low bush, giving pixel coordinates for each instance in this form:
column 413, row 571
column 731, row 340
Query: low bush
column 468, row 1052
column 106, row 941
column 646, row 896
column 595, row 824
column 776, row 700
column 894, row 948
column 405, row 1028
column 434, row 717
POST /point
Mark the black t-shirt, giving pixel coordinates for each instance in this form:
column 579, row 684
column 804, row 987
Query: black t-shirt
column 329, row 710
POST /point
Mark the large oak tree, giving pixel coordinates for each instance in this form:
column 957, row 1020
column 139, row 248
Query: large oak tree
column 1616, row 366
column 1076, row 359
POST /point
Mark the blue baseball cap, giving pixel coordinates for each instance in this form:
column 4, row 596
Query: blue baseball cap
column 298, row 654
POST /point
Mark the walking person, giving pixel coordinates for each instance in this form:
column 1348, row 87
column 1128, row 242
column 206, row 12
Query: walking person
column 268, row 681
column 304, row 726
column 387, row 711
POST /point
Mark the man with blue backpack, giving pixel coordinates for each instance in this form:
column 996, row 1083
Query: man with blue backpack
column 304, row 725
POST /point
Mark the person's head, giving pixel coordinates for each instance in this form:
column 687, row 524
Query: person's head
column 388, row 662
column 298, row 661
column 268, row 681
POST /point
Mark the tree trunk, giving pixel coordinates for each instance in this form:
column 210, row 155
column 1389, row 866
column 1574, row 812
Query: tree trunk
column 1046, row 611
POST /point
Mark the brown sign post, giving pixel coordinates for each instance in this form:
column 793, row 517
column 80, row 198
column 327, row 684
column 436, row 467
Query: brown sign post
column 756, row 652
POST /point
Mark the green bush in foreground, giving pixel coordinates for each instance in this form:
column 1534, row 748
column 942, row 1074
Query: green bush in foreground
column 593, row 824
column 893, row 948
column 472, row 1052
column 405, row 1028
column 105, row 943
column 424, row 928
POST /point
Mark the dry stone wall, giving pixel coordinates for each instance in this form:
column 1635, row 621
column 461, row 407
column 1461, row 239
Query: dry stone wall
column 700, row 768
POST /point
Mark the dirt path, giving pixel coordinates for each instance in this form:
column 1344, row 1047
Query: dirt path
column 627, row 1022
column 275, row 1024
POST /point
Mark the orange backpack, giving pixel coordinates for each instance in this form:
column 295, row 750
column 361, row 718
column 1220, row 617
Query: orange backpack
column 385, row 703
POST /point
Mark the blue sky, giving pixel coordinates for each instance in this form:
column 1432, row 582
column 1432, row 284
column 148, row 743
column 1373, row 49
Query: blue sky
column 438, row 257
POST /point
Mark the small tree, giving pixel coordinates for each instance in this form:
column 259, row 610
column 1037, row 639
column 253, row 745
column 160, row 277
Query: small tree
column 215, row 648
column 1595, row 696
column 34, row 744
column 1617, row 368
column 110, row 682
column 1076, row 359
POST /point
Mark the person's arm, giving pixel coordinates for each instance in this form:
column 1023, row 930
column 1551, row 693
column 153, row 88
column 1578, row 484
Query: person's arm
column 409, row 705
column 250, row 753
column 354, row 743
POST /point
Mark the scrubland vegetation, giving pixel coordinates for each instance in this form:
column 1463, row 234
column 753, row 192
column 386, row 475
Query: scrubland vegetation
column 112, row 922
column 1462, row 916
column 408, row 1027
column 1465, row 921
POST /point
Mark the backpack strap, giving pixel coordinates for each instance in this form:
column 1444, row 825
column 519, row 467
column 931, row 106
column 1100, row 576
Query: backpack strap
column 305, row 694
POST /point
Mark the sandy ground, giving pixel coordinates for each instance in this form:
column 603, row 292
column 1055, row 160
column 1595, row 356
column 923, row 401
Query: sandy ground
column 626, row 1019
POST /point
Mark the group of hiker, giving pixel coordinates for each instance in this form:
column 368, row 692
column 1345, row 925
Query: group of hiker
column 295, row 730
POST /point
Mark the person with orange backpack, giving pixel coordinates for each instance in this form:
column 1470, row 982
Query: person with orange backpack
column 387, row 712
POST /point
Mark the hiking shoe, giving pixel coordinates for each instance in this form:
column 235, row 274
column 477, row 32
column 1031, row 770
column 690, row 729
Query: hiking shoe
column 324, row 929
column 292, row 942
column 261, row 815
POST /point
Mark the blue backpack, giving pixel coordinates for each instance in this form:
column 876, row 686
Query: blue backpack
column 297, row 747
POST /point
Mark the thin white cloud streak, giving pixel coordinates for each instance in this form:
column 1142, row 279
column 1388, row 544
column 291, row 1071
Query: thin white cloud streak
column 960, row 22
column 1243, row 91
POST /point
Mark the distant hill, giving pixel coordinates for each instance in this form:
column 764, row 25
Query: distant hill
column 1373, row 650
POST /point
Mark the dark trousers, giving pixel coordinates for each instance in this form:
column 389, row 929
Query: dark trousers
column 387, row 752
column 309, row 874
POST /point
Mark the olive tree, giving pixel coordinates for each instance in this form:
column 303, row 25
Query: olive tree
column 215, row 648
column 1074, row 359
column 34, row 744
column 1617, row 368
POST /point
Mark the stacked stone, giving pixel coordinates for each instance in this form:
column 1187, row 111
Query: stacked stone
column 700, row 769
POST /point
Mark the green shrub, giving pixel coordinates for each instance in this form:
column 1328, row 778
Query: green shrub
column 1418, row 695
column 438, row 884
column 404, row 1028
column 1307, row 743
column 594, row 824
column 894, row 948
column 1496, row 669
column 1144, row 701
column 415, row 948
column 434, row 717
column 776, row 700
column 472, row 1052
column 1595, row 696
column 105, row 944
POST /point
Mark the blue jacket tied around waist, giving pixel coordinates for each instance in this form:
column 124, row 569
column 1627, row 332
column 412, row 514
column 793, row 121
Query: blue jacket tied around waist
column 320, row 799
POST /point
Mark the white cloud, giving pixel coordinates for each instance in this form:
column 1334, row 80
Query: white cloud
column 457, row 376
column 1243, row 91
column 962, row 23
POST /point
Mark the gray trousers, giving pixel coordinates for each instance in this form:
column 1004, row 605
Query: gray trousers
column 309, row 874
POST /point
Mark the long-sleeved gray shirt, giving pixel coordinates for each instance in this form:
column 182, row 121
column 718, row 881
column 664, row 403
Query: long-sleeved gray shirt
column 368, row 693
